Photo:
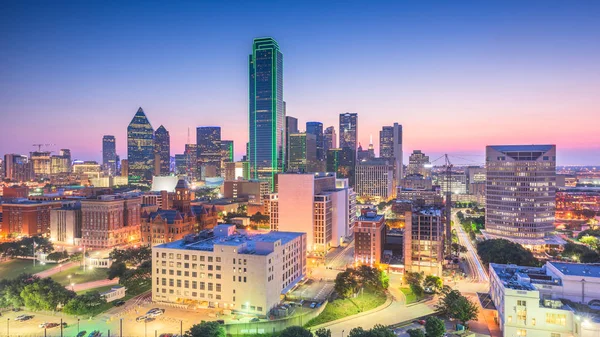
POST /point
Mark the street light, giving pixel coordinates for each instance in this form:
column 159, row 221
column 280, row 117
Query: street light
column 73, row 286
column 343, row 333
column 78, row 326
column 8, row 327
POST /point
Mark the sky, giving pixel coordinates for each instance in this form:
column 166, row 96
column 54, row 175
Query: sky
column 458, row 75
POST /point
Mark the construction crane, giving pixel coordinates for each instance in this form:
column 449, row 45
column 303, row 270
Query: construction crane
column 39, row 146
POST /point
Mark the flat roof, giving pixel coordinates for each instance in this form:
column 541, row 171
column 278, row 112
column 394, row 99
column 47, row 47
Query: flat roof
column 521, row 148
column 577, row 269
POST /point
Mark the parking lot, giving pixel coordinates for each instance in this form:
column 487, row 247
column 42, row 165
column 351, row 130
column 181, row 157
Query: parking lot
column 317, row 290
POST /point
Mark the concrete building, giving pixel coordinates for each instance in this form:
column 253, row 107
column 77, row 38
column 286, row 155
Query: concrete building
column 110, row 220
column 239, row 170
column 109, row 155
column 209, row 156
column 520, row 193
column 390, row 147
column 87, row 169
column 162, row 152
column 421, row 197
column 556, row 300
column 369, row 237
column 342, row 161
column 302, row 152
column 329, row 139
column 418, row 163
column 26, row 217
column 424, row 240
column 65, row 224
column 225, row 269
column 41, row 164
column 416, row 182
column 456, row 183
column 349, row 131
column 16, row 167
column 165, row 226
column 375, row 178
column 251, row 190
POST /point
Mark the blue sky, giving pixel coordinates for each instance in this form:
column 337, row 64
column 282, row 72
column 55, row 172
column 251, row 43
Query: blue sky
column 457, row 75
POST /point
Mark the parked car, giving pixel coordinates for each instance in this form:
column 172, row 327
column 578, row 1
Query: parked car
column 255, row 319
column 166, row 335
column 81, row 333
column 313, row 305
column 119, row 303
column 94, row 333
column 16, row 309
column 141, row 318
column 48, row 325
column 420, row 321
column 155, row 313
column 23, row 317
column 220, row 321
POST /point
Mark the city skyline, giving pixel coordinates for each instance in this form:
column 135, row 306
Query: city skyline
column 518, row 66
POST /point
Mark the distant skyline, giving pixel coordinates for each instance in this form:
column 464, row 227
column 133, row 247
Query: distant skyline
column 457, row 76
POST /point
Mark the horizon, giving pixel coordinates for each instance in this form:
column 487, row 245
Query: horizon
column 457, row 77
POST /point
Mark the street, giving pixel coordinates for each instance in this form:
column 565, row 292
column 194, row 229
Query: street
column 476, row 270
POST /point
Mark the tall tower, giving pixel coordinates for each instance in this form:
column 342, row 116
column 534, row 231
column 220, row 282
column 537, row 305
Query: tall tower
column 329, row 139
column 349, row 131
column 162, row 152
column 140, row 149
column 390, row 147
column 109, row 154
column 266, row 114
column 208, row 139
column 316, row 128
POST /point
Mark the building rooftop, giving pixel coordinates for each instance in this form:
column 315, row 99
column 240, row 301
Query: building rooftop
column 246, row 242
column 523, row 278
column 522, row 148
column 431, row 211
column 577, row 269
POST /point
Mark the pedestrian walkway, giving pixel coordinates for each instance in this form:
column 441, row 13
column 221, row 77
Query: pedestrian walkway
column 385, row 305
column 55, row 270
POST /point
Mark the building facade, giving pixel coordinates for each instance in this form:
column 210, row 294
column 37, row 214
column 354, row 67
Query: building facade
column 302, row 153
column 329, row 140
column 16, row 167
column 390, row 147
column 140, row 149
column 109, row 155
column 110, row 220
column 26, row 218
column 343, row 163
column 375, row 178
column 208, row 139
column 267, row 143
column 316, row 129
column 418, row 163
column 162, row 152
column 369, row 237
column 65, row 224
column 349, row 131
column 424, row 240
column 163, row 226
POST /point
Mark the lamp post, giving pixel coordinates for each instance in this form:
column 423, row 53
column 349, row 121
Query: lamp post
column 145, row 328
column 343, row 333
column 8, row 327
column 73, row 286
column 78, row 326
column 181, row 328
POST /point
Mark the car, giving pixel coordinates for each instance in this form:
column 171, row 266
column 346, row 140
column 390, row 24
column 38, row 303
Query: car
column 155, row 313
column 81, row 333
column 155, row 310
column 255, row 319
column 420, row 321
column 47, row 325
column 166, row 335
column 220, row 321
column 141, row 318
column 94, row 333
column 119, row 303
column 313, row 305
column 21, row 318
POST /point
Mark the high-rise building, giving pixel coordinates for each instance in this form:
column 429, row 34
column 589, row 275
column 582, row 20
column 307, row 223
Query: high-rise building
column 349, row 131
column 329, row 139
column 316, row 128
column 41, row 164
column 424, row 240
column 267, row 115
column 125, row 168
column 369, row 237
column 162, row 152
column 16, row 167
column 375, row 179
column 418, row 163
column 227, row 153
column 208, row 139
column 140, row 149
column 61, row 163
column 520, row 193
column 237, row 170
column 109, row 155
column 181, row 164
column 343, row 163
column 191, row 157
column 302, row 152
column 390, row 147
column 291, row 126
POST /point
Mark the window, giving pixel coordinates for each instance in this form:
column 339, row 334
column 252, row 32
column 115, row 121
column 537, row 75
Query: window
column 210, row 259
column 201, row 258
column 194, row 274
column 194, row 285
column 194, row 257
column 178, row 256
column 521, row 315
column 219, row 287
column 521, row 332
column 554, row 334
column 522, row 303
column 186, row 257
column 218, row 259
column 558, row 319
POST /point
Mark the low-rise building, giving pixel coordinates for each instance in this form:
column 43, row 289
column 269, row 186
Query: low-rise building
column 165, row 226
column 369, row 237
column 27, row 217
column 227, row 269
column 424, row 240
column 65, row 224
column 110, row 220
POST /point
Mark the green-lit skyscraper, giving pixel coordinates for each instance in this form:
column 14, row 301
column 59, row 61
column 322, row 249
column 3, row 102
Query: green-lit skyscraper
column 140, row 149
column 267, row 144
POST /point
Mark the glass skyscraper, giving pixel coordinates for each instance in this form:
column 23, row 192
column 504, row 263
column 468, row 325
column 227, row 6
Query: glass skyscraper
column 208, row 139
column 348, row 131
column 162, row 152
column 316, row 128
column 109, row 155
column 267, row 144
column 140, row 149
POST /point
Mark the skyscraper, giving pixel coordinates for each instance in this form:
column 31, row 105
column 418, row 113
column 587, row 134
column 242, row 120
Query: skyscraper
column 520, row 192
column 343, row 163
column 418, row 163
column 291, row 126
column 109, row 155
column 329, row 139
column 140, row 149
column 191, row 161
column 303, row 152
column 208, row 139
column 390, row 147
column 226, row 153
column 316, row 128
column 267, row 116
column 349, row 131
column 162, row 152
column 16, row 167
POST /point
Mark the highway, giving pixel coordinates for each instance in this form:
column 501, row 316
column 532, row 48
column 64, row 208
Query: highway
column 477, row 271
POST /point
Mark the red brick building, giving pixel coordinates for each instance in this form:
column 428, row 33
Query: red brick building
column 369, row 237
column 165, row 226
column 26, row 218
column 110, row 220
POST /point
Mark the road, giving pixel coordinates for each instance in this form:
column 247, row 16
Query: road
column 341, row 257
column 476, row 270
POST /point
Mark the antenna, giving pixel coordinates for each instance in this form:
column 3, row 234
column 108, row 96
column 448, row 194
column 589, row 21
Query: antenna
column 188, row 140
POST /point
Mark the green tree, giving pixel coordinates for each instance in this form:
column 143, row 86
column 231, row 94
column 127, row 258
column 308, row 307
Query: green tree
column 260, row 218
column 117, row 269
column 415, row 332
column 591, row 241
column 86, row 304
column 413, row 278
column 384, row 278
column 45, row 294
column 580, row 253
column 458, row 248
column 10, row 290
column 503, row 251
column 434, row 327
column 346, row 283
column 377, row 331
column 57, row 256
column 206, row 329
column 295, row 331
column 322, row 332
column 433, row 282
column 453, row 304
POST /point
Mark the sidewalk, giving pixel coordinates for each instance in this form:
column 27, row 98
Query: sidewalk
column 57, row 269
column 93, row 284
column 385, row 305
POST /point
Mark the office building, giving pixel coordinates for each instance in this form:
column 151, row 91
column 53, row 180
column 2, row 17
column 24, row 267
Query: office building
column 291, row 126
column 208, row 139
column 125, row 169
column 191, row 155
column 227, row 153
column 418, row 163
column 237, row 170
column 16, row 167
column 302, row 153
column 349, row 131
column 557, row 300
column 26, row 218
column 225, row 269
column 390, row 147
column 61, row 164
column 520, row 193
column 343, row 163
column 86, row 169
column 162, row 152
column 375, row 179
column 316, row 128
column 110, row 220
column 181, row 164
column 455, row 182
column 362, row 155
column 267, row 146
column 164, row 226
column 250, row 190
column 329, row 139
column 421, row 197
column 109, row 155
column 65, row 224
column 140, row 149
column 369, row 237
column 416, row 182
column 424, row 240
column 41, row 164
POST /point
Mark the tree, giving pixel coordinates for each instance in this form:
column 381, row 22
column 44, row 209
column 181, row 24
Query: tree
column 591, row 241
column 295, row 331
column 453, row 304
column 10, row 290
column 433, row 282
column 413, row 278
column 206, row 329
column 434, row 327
column 346, row 283
column 45, row 294
column 117, row 269
column 57, row 256
column 260, row 218
column 580, row 253
column 86, row 304
column 503, row 251
column 415, row 333
column 322, row 332
column 377, row 331
column 458, row 248
column 132, row 257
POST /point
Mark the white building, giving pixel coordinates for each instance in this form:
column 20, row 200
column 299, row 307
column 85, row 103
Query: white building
column 375, row 178
column 546, row 301
column 65, row 224
column 245, row 273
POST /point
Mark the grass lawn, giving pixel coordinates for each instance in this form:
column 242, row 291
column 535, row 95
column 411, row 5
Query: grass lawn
column 14, row 268
column 410, row 296
column 79, row 276
column 349, row 306
column 99, row 289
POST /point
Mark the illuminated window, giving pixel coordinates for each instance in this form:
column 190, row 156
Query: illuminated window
column 558, row 319
column 521, row 332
